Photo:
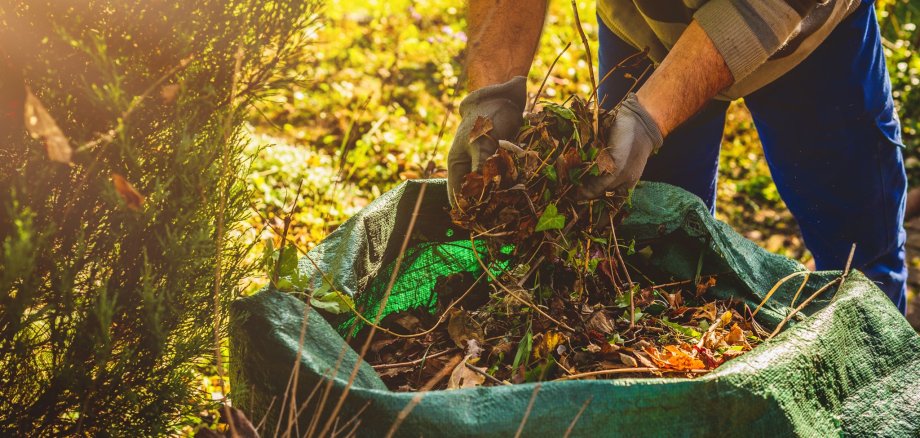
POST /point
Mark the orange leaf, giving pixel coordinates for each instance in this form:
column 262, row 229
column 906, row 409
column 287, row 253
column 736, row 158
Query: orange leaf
column 42, row 126
column 128, row 193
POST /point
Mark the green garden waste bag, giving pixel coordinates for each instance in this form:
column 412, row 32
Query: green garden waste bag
column 848, row 364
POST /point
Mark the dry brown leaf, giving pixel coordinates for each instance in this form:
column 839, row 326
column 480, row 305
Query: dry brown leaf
column 481, row 126
column 133, row 199
column 605, row 163
column 704, row 286
column 735, row 335
column 628, row 360
column 41, row 125
column 462, row 327
column 463, row 377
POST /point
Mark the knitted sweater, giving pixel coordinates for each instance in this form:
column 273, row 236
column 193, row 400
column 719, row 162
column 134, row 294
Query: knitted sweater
column 760, row 40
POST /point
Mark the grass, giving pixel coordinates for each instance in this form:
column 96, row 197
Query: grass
column 378, row 107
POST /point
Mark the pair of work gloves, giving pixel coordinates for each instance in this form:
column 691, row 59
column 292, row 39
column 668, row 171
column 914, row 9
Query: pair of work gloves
column 633, row 138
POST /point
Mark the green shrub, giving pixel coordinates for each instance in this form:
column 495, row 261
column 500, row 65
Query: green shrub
column 109, row 253
column 898, row 21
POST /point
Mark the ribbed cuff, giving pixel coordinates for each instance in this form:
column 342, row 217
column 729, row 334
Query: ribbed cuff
column 648, row 123
column 732, row 36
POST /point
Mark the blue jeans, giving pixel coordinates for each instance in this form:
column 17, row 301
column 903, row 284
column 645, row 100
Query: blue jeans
column 830, row 137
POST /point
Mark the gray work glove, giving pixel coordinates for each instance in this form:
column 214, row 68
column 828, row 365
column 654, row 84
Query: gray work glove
column 503, row 104
column 633, row 137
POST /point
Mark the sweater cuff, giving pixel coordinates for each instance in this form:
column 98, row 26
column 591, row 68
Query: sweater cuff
column 733, row 37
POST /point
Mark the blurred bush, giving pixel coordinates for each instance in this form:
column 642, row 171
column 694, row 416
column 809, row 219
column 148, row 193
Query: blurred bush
column 120, row 198
column 898, row 21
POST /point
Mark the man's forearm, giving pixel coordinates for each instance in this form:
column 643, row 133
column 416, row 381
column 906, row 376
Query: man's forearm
column 503, row 39
column 691, row 74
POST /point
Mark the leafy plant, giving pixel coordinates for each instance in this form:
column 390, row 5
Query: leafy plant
column 120, row 198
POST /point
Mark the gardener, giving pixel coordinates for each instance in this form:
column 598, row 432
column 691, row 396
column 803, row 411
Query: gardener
column 812, row 74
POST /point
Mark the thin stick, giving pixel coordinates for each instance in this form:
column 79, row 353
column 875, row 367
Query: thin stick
column 799, row 291
column 584, row 40
column 802, row 306
column 514, row 295
column 840, row 280
column 382, row 306
column 482, row 373
column 533, row 398
column 549, row 73
column 584, row 406
column 776, row 287
column 616, row 251
column 631, row 370
column 404, row 413
column 410, row 363
column 353, row 419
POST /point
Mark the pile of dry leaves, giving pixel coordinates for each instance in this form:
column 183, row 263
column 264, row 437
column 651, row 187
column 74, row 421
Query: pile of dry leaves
column 565, row 305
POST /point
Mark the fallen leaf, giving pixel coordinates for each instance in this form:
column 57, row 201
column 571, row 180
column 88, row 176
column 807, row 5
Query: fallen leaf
column 547, row 343
column 133, row 199
column 600, row 322
column 605, row 162
column 707, row 311
column 41, row 125
column 735, row 335
column 628, row 360
column 704, row 286
column 463, row 377
column 461, row 327
column 481, row 126
column 674, row 358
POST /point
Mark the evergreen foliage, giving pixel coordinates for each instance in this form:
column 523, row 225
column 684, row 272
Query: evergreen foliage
column 108, row 258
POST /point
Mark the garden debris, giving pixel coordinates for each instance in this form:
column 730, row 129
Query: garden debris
column 559, row 300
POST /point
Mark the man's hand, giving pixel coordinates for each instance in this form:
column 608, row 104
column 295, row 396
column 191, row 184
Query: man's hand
column 692, row 73
column 633, row 137
column 503, row 106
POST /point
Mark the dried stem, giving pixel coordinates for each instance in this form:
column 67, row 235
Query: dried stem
column 549, row 73
column 415, row 362
column 513, row 294
column 404, row 413
column 533, row 398
column 568, row 431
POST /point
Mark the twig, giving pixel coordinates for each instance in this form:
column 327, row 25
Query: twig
column 381, row 307
column 514, row 295
column 840, row 280
column 410, row 363
column 802, row 306
column 584, row 406
column 549, row 73
column 631, row 370
column 776, row 287
column 533, row 398
column 616, row 251
column 482, row 373
column 584, row 40
column 404, row 413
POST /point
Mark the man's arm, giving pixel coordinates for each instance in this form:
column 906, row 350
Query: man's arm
column 692, row 74
column 503, row 39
